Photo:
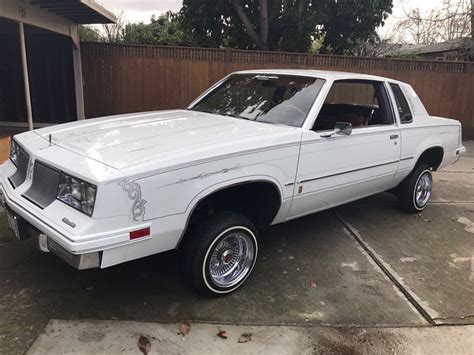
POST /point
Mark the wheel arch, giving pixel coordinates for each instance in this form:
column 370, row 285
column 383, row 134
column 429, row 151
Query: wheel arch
column 211, row 191
column 431, row 155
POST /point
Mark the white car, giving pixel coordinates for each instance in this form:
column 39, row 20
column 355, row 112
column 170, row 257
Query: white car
column 256, row 149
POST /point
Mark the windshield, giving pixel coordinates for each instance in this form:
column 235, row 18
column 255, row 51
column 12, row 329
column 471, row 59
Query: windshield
column 277, row 99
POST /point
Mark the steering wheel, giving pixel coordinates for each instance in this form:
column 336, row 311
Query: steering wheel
column 369, row 118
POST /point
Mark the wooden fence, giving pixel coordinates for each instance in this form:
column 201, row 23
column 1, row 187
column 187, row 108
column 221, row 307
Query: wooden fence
column 131, row 78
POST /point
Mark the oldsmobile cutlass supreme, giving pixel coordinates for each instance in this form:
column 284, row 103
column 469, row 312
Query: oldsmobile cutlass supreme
column 256, row 149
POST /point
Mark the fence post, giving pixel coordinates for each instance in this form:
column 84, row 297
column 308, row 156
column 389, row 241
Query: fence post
column 149, row 51
column 227, row 59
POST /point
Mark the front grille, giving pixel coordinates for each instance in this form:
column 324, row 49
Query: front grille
column 20, row 175
column 43, row 189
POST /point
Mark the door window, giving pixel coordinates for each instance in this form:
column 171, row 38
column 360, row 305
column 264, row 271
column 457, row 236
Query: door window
column 361, row 103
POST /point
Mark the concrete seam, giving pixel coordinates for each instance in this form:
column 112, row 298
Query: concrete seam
column 387, row 273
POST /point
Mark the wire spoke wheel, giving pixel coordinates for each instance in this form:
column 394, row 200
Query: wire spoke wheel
column 231, row 259
column 423, row 189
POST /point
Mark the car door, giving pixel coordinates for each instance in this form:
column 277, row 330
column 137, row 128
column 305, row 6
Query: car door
column 339, row 168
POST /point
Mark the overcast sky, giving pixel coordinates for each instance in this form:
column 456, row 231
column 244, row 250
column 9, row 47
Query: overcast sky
column 141, row 10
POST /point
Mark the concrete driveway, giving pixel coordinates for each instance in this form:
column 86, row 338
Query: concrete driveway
column 366, row 264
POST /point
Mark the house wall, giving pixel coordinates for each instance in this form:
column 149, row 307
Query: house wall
column 447, row 55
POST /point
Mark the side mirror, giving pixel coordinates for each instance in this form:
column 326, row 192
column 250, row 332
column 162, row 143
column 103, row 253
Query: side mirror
column 407, row 117
column 344, row 128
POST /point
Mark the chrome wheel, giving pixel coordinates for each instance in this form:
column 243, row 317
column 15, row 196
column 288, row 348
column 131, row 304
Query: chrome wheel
column 423, row 189
column 231, row 258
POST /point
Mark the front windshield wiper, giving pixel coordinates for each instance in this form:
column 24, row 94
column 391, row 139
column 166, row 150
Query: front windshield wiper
column 203, row 110
column 228, row 114
column 216, row 112
column 235, row 116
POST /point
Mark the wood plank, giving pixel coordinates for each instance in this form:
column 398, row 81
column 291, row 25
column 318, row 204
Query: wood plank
column 117, row 82
column 4, row 147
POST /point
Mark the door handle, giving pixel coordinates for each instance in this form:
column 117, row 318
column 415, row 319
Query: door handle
column 394, row 136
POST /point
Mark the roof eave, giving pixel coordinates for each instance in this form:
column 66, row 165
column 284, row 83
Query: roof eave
column 108, row 16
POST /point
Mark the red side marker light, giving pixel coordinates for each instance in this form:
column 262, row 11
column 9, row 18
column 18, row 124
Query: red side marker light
column 145, row 232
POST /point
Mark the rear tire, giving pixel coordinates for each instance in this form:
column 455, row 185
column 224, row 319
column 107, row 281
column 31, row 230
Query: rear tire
column 220, row 254
column 415, row 191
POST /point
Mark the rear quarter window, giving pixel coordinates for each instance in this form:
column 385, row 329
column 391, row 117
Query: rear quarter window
column 402, row 106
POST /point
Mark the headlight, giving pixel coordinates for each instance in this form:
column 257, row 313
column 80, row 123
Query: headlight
column 14, row 152
column 77, row 193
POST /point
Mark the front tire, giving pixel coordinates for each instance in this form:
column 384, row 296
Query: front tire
column 415, row 191
column 221, row 253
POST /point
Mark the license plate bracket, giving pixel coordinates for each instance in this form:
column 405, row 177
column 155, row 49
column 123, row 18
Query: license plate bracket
column 12, row 221
column 16, row 224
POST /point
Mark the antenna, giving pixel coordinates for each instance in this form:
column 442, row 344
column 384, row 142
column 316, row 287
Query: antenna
column 50, row 138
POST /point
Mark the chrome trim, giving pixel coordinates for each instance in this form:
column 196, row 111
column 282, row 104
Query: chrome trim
column 78, row 261
column 461, row 150
column 423, row 188
column 355, row 130
column 231, row 259
column 348, row 171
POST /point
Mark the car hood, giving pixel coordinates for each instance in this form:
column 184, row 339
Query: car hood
column 126, row 141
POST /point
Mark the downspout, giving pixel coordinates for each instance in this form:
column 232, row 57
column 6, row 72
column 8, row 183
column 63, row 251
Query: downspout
column 77, row 66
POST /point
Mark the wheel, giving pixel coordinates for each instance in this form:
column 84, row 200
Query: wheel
column 220, row 253
column 415, row 191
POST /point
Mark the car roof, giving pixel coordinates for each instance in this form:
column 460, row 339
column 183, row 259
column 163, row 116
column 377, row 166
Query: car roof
column 323, row 74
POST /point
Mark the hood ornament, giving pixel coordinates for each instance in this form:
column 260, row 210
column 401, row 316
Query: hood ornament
column 50, row 139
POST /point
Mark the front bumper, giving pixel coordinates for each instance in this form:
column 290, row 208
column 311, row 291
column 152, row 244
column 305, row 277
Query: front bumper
column 102, row 245
column 24, row 230
column 461, row 150
column 78, row 261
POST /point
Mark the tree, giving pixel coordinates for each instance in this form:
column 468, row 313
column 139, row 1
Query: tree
column 374, row 46
column 288, row 25
column 164, row 30
column 89, row 34
column 451, row 21
column 114, row 31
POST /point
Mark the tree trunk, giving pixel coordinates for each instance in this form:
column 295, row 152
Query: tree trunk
column 248, row 26
column 264, row 22
column 472, row 18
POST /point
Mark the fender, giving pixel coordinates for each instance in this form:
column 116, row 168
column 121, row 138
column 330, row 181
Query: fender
column 284, row 207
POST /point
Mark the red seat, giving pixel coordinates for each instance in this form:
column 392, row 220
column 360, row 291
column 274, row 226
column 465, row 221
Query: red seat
column 354, row 120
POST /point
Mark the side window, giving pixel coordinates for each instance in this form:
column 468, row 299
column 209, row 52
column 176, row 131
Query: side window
column 402, row 104
column 361, row 103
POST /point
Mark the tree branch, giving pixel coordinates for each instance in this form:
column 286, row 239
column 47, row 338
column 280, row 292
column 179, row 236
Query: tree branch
column 248, row 26
column 301, row 7
column 275, row 9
